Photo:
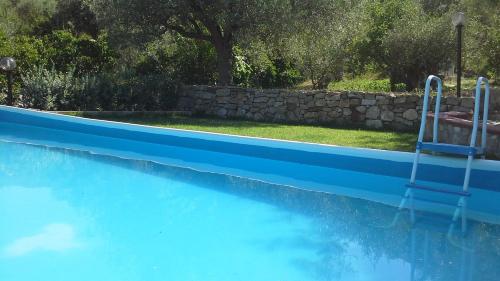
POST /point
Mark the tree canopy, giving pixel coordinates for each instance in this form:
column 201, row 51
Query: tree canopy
column 252, row 43
column 215, row 21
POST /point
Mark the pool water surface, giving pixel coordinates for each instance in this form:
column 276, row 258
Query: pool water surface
column 73, row 215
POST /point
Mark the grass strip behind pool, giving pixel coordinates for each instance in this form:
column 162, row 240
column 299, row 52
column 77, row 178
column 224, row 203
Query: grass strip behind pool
column 388, row 140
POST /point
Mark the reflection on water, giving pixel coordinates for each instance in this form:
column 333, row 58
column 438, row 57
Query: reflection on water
column 153, row 221
column 56, row 237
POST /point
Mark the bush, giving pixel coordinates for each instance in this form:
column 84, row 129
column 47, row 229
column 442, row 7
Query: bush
column 53, row 90
column 79, row 52
column 46, row 89
column 360, row 84
column 186, row 60
column 27, row 51
column 138, row 92
column 420, row 45
column 260, row 70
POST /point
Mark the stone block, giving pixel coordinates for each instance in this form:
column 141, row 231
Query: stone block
column 332, row 97
column 319, row 96
column 410, row 114
column 337, row 112
column 400, row 100
column 467, row 102
column 320, row 102
column 387, row 115
column 375, row 124
column 354, row 102
column 372, row 112
column 292, row 100
column 354, row 95
column 222, row 112
column 361, row 109
column 223, row 92
column 347, row 112
column 383, row 100
column 260, row 99
column 452, row 101
column 368, row 102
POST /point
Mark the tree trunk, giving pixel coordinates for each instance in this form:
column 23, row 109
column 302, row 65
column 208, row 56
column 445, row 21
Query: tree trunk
column 224, row 49
column 395, row 78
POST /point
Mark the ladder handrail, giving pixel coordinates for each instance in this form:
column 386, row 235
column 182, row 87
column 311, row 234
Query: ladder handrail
column 425, row 108
column 477, row 103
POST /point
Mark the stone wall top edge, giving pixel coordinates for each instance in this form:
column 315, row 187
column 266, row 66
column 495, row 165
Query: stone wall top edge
column 296, row 91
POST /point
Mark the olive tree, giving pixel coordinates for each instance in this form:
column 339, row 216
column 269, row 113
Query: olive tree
column 316, row 35
column 419, row 45
column 218, row 22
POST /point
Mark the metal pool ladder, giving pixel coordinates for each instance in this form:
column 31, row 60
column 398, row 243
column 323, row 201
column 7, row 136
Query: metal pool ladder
column 470, row 151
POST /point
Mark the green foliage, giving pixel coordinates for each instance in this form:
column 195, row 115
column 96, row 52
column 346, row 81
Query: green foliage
column 255, row 68
column 27, row 51
column 80, row 52
column 74, row 15
column 368, row 85
column 50, row 89
column 254, row 43
column 193, row 62
column 482, row 38
column 216, row 22
column 316, row 39
column 186, row 60
column 20, row 17
column 419, row 45
column 378, row 18
column 47, row 89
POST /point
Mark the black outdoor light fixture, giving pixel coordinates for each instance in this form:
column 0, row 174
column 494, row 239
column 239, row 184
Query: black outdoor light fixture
column 459, row 21
column 8, row 65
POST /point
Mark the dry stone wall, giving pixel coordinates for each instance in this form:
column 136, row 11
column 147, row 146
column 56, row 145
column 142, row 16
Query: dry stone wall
column 373, row 110
column 456, row 130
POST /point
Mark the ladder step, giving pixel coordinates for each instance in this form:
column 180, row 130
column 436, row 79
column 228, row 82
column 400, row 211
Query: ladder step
column 452, row 192
column 450, row 148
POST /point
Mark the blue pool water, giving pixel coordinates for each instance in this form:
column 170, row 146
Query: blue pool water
column 88, row 200
column 73, row 215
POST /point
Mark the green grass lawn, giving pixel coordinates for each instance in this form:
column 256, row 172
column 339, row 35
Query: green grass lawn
column 317, row 134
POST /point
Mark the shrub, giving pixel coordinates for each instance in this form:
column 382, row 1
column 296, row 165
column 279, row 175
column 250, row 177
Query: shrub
column 369, row 85
column 26, row 50
column 54, row 90
column 258, row 69
column 79, row 52
column 46, row 89
column 186, row 60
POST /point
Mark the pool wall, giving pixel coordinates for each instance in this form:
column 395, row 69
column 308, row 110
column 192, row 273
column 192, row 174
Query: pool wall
column 485, row 174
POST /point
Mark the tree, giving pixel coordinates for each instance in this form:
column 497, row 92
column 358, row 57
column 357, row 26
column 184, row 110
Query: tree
column 316, row 38
column 186, row 60
column 71, row 14
column 481, row 37
column 214, row 21
column 419, row 45
column 379, row 17
column 21, row 16
column 83, row 53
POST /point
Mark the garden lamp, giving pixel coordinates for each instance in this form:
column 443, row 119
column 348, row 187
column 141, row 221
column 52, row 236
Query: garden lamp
column 458, row 21
column 8, row 65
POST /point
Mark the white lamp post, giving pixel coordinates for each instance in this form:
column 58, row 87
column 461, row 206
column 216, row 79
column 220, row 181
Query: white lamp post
column 8, row 65
column 458, row 21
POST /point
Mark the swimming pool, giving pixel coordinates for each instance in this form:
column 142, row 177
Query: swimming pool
column 89, row 200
